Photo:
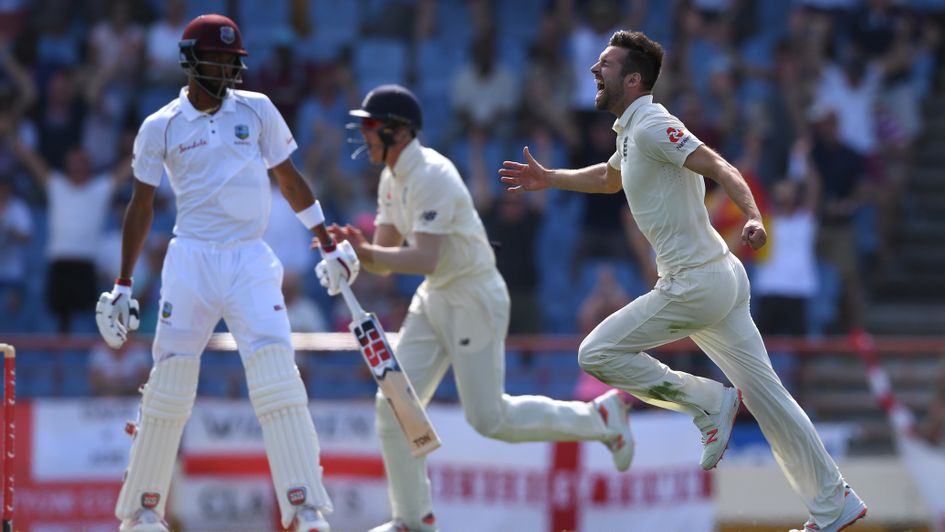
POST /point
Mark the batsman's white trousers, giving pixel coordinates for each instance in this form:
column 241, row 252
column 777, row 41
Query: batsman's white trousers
column 710, row 305
column 201, row 283
column 465, row 325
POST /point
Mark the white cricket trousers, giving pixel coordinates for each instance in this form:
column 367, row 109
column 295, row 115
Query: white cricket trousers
column 202, row 282
column 710, row 305
column 241, row 282
column 465, row 325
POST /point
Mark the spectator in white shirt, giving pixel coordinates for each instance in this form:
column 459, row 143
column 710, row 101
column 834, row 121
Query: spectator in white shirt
column 78, row 204
column 851, row 90
column 788, row 278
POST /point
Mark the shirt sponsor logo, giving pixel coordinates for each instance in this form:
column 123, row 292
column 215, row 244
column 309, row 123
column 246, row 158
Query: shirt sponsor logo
column 625, row 141
column 674, row 134
column 428, row 216
column 192, row 145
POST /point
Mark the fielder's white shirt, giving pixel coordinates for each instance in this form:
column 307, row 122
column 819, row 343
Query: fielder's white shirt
column 216, row 163
column 666, row 200
column 425, row 194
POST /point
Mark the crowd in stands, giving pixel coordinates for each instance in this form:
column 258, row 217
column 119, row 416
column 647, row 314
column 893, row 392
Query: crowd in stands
column 817, row 102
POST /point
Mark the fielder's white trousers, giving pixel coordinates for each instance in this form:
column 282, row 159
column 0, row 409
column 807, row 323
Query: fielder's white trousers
column 464, row 325
column 710, row 305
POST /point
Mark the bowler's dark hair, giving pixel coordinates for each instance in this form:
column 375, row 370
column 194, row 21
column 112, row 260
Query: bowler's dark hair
column 645, row 56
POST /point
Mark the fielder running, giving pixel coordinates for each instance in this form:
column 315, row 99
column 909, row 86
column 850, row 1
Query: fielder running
column 702, row 291
column 459, row 314
column 216, row 144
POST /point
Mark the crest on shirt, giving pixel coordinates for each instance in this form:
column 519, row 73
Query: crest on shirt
column 167, row 309
column 428, row 216
column 241, row 131
column 227, row 34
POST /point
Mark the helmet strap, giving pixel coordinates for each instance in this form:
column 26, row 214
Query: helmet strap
column 215, row 94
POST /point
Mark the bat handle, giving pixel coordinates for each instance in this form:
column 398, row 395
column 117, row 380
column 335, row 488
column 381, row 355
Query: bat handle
column 356, row 311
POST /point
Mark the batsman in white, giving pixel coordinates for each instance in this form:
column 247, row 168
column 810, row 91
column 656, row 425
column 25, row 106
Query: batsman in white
column 216, row 145
column 460, row 313
column 702, row 291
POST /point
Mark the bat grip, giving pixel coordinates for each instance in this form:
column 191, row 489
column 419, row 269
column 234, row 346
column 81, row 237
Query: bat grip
column 356, row 311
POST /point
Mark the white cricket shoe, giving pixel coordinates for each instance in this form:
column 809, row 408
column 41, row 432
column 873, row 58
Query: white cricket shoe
column 717, row 428
column 853, row 509
column 428, row 524
column 145, row 521
column 308, row 519
column 614, row 411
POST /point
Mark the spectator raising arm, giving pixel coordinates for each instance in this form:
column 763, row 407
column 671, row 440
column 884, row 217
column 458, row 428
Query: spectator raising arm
column 33, row 162
column 25, row 87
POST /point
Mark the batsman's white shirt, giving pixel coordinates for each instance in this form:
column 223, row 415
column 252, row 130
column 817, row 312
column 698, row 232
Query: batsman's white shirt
column 217, row 265
column 216, row 163
column 667, row 200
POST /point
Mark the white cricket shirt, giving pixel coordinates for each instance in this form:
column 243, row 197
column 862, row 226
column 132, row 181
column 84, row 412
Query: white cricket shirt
column 216, row 163
column 666, row 199
column 425, row 194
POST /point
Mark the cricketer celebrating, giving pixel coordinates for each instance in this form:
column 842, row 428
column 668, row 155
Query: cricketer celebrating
column 702, row 291
column 460, row 313
column 216, row 144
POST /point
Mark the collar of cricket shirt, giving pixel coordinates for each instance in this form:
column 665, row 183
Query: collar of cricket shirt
column 408, row 158
column 191, row 113
column 621, row 123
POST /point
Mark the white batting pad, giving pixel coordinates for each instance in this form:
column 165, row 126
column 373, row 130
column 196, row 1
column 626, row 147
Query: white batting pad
column 281, row 404
column 166, row 405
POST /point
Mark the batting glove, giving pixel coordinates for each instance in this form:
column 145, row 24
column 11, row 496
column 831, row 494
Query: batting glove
column 117, row 313
column 339, row 264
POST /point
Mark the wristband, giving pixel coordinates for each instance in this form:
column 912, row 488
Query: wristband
column 312, row 215
column 122, row 286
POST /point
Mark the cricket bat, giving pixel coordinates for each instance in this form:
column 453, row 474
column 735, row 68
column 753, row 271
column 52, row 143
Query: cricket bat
column 390, row 378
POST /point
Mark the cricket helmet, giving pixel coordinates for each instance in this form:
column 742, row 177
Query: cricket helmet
column 208, row 34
